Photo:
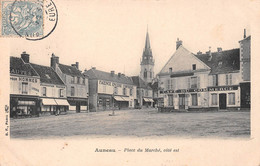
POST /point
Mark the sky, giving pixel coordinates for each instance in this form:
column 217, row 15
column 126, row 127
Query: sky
column 110, row 35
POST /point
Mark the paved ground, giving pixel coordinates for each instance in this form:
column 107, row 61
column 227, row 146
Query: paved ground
column 135, row 123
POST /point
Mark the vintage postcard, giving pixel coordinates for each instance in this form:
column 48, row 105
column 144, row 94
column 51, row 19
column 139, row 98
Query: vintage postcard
column 129, row 82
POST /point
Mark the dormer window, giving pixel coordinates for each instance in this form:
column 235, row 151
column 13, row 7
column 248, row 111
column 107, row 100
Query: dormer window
column 194, row 67
column 48, row 76
column 170, row 70
column 220, row 63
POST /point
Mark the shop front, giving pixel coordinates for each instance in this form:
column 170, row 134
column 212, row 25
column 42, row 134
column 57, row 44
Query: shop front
column 54, row 106
column 224, row 97
column 24, row 105
column 147, row 102
column 77, row 104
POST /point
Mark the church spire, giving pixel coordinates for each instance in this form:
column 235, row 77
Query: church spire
column 147, row 41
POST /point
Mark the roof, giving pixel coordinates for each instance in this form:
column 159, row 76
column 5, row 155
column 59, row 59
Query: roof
column 47, row 74
column 154, row 85
column 181, row 61
column 140, row 83
column 229, row 59
column 17, row 66
column 70, row 70
column 97, row 74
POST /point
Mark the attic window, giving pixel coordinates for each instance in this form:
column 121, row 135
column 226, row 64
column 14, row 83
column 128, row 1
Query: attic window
column 47, row 75
column 194, row 67
column 170, row 69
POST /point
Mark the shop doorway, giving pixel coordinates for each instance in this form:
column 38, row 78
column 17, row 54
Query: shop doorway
column 181, row 101
column 77, row 106
column 222, row 101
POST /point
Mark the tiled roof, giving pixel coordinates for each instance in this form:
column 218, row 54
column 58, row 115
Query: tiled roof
column 222, row 62
column 47, row 74
column 97, row 74
column 70, row 70
column 140, row 83
column 17, row 66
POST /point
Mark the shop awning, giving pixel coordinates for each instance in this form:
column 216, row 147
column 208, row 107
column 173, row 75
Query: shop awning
column 126, row 98
column 48, row 102
column 146, row 100
column 61, row 102
column 118, row 98
column 151, row 100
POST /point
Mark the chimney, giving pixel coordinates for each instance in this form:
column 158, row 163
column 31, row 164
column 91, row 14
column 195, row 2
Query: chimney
column 119, row 75
column 77, row 65
column 94, row 68
column 199, row 53
column 244, row 33
column 123, row 74
column 112, row 73
column 210, row 55
column 54, row 61
column 178, row 43
column 25, row 57
column 219, row 49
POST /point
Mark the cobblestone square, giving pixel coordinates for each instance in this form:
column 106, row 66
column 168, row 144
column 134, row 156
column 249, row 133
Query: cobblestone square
column 137, row 123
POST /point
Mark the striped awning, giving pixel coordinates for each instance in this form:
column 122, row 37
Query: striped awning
column 48, row 102
column 62, row 102
column 118, row 98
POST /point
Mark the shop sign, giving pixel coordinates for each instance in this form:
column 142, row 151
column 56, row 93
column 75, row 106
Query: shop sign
column 24, row 79
column 109, row 83
column 222, row 88
column 21, row 72
column 219, row 88
column 184, row 90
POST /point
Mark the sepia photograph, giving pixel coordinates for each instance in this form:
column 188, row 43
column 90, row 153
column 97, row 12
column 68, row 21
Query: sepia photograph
column 169, row 79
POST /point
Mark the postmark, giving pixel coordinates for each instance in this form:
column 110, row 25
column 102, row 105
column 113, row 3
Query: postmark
column 30, row 19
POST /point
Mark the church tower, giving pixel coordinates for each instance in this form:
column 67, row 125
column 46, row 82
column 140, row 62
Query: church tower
column 147, row 62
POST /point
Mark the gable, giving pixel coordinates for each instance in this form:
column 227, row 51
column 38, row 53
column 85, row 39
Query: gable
column 182, row 60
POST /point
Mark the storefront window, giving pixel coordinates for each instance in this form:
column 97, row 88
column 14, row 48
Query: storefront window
column 231, row 98
column 44, row 91
column 170, row 100
column 214, row 99
column 24, row 88
column 194, row 99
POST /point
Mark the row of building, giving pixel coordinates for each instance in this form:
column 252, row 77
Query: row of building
column 218, row 80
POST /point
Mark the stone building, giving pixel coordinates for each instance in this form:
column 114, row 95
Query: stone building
column 52, row 90
column 24, row 87
column 202, row 81
column 144, row 93
column 109, row 90
column 76, row 84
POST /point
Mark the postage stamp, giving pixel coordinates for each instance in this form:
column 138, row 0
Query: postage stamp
column 30, row 19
